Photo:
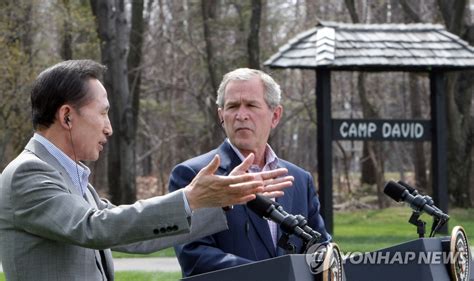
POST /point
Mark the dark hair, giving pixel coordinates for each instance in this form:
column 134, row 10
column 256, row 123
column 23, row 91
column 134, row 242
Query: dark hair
column 63, row 83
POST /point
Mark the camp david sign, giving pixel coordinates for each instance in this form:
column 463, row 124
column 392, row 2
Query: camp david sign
column 385, row 130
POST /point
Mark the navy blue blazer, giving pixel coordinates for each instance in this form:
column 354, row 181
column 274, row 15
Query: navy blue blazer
column 248, row 238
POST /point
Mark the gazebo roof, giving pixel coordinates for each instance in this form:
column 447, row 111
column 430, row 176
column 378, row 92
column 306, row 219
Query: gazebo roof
column 343, row 46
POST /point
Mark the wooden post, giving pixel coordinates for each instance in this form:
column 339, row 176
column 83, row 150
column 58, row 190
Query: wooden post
column 324, row 145
column 438, row 143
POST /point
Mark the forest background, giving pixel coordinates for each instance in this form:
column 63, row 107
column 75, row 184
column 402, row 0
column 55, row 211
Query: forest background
column 166, row 58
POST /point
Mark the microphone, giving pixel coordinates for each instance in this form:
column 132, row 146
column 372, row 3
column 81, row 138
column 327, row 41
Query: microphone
column 415, row 192
column 417, row 202
column 266, row 208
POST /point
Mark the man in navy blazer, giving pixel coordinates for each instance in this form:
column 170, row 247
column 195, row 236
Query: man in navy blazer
column 249, row 108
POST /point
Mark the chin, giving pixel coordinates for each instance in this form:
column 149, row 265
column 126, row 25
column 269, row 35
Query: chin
column 243, row 145
column 93, row 158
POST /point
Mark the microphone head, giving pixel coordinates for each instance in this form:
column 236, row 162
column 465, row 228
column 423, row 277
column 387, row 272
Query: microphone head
column 394, row 191
column 260, row 205
column 410, row 189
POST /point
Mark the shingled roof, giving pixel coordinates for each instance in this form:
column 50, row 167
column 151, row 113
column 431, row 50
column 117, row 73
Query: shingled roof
column 345, row 46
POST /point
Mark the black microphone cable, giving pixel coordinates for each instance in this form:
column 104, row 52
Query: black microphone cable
column 75, row 159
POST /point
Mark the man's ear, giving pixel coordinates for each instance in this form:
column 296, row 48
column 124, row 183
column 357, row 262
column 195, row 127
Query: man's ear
column 220, row 114
column 64, row 116
column 277, row 113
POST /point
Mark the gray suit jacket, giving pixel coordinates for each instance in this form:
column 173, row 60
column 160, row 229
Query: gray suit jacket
column 49, row 231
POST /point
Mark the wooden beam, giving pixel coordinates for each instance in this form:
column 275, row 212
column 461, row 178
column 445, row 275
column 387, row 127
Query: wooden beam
column 439, row 142
column 324, row 145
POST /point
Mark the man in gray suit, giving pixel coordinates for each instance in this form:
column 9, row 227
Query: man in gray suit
column 54, row 226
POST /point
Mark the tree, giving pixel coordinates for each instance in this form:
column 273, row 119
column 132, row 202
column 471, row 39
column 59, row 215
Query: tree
column 421, row 177
column 253, row 45
column 372, row 162
column 459, row 93
column 66, row 46
column 209, row 17
column 459, row 89
column 112, row 30
column 17, row 27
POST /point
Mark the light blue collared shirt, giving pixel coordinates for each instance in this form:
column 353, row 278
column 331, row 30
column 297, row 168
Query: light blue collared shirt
column 271, row 159
column 78, row 172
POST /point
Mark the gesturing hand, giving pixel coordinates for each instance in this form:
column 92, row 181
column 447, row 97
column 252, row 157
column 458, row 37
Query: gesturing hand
column 210, row 190
column 272, row 181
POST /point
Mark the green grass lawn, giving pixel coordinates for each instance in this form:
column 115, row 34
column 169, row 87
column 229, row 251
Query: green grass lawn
column 369, row 230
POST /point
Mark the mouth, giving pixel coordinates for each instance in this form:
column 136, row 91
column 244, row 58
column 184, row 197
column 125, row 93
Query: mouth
column 102, row 144
column 242, row 129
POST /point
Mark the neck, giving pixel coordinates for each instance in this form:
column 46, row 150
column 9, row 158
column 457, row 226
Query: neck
column 62, row 140
column 259, row 159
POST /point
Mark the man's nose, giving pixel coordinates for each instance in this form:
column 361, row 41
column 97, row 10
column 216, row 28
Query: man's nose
column 242, row 113
column 108, row 128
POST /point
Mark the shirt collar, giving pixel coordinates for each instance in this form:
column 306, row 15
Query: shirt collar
column 271, row 159
column 78, row 172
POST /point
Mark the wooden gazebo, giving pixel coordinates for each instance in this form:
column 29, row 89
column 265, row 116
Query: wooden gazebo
column 376, row 47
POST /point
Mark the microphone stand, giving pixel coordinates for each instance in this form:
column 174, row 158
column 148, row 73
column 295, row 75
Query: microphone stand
column 288, row 227
column 420, row 225
column 284, row 243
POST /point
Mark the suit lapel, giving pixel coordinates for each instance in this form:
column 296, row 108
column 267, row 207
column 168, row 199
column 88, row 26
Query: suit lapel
column 229, row 160
column 39, row 150
column 263, row 231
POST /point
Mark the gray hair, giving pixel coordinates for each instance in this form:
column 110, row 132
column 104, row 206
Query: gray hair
column 272, row 89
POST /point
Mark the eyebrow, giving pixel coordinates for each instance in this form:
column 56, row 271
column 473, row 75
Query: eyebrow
column 232, row 102
column 238, row 101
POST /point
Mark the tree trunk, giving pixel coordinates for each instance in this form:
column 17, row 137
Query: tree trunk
column 372, row 169
column 208, row 16
column 213, row 133
column 350, row 5
column 368, row 168
column 112, row 30
column 368, row 161
column 253, row 46
column 66, row 42
column 134, row 66
column 459, row 92
column 421, row 178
